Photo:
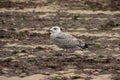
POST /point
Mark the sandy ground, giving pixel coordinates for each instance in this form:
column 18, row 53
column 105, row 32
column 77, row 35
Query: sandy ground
column 26, row 52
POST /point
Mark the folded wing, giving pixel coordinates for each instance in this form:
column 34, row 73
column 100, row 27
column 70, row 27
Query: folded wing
column 66, row 40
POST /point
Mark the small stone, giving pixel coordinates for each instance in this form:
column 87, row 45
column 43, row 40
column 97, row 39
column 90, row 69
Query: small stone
column 46, row 73
column 23, row 75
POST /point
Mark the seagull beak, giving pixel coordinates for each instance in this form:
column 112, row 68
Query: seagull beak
column 48, row 30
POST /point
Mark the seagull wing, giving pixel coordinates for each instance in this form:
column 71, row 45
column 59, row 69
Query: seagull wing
column 66, row 40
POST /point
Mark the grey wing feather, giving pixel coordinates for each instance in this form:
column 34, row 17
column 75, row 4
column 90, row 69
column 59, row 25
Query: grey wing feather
column 66, row 39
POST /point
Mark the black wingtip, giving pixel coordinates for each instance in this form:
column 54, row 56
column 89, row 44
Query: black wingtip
column 84, row 46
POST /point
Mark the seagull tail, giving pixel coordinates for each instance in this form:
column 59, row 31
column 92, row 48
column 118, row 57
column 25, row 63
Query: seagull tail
column 84, row 46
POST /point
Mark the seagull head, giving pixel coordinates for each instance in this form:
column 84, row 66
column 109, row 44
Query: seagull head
column 55, row 29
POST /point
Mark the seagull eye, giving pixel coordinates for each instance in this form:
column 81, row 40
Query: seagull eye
column 55, row 28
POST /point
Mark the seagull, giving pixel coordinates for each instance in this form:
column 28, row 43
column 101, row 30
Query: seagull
column 64, row 39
